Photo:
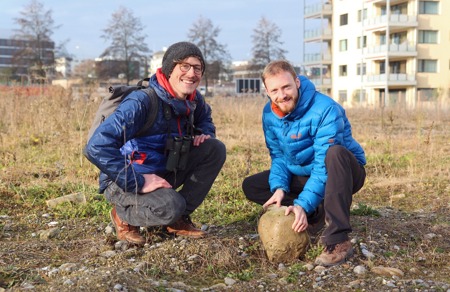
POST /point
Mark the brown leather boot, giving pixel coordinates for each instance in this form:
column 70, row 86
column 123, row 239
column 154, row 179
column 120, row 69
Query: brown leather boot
column 185, row 227
column 126, row 231
column 335, row 254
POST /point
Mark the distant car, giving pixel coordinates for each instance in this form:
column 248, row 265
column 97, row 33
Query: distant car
column 202, row 90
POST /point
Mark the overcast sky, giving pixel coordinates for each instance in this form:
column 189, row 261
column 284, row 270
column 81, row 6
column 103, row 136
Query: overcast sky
column 166, row 22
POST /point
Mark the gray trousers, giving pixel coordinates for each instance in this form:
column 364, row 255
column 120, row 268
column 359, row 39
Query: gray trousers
column 345, row 178
column 165, row 206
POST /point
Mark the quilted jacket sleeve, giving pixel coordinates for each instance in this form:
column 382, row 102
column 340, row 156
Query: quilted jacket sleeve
column 103, row 149
column 327, row 132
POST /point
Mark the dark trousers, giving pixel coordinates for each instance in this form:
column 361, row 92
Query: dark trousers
column 345, row 178
column 164, row 206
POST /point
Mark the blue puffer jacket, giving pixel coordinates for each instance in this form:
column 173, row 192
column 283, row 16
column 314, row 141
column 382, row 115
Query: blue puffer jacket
column 299, row 142
column 144, row 154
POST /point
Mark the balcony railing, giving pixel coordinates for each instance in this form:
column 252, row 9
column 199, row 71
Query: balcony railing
column 318, row 9
column 321, row 33
column 403, row 49
column 394, row 79
column 317, row 58
column 399, row 20
column 321, row 81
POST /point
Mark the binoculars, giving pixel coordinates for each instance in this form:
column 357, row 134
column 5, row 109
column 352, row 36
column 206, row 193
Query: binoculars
column 177, row 149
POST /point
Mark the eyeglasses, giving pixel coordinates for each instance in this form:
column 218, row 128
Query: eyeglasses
column 185, row 67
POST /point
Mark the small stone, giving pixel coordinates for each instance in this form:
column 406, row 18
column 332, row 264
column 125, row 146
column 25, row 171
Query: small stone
column 354, row 284
column 430, row 236
column 319, row 269
column 108, row 254
column 68, row 267
column 272, row 276
column 109, row 229
column 193, row 257
column 229, row 281
column 52, row 224
column 387, row 271
column 359, row 270
column 367, row 254
column 49, row 233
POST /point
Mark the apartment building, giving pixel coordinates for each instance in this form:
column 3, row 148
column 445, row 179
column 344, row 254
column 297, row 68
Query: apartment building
column 379, row 53
column 13, row 66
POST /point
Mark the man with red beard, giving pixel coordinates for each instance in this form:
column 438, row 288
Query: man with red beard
column 316, row 163
column 139, row 174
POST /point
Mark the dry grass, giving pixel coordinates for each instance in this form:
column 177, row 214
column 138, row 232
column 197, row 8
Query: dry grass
column 43, row 131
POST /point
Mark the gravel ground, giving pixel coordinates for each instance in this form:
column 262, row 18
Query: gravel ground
column 393, row 252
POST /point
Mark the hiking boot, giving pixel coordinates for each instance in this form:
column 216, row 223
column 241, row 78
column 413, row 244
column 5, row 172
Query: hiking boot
column 126, row 231
column 185, row 227
column 335, row 254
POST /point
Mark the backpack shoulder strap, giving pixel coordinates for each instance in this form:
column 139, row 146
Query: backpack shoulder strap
column 154, row 106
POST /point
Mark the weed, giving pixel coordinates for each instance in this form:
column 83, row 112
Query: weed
column 293, row 272
column 364, row 210
column 314, row 251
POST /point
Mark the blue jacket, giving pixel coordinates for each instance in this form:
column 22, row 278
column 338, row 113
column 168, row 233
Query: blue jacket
column 298, row 143
column 124, row 163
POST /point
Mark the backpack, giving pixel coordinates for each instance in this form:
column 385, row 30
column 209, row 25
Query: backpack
column 117, row 95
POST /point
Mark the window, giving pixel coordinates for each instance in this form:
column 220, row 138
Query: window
column 343, row 19
column 382, row 39
column 395, row 67
column 398, row 38
column 428, row 7
column 343, row 70
column 428, row 36
column 343, row 45
column 426, row 94
column 359, row 95
column 399, row 9
column 427, row 66
column 362, row 14
column 364, row 42
column 342, row 96
column 359, row 67
column 382, row 67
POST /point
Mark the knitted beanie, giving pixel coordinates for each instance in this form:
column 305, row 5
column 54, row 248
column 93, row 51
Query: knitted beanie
column 178, row 52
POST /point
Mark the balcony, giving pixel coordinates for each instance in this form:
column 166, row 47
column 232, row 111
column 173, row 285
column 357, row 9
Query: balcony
column 395, row 51
column 318, row 10
column 399, row 79
column 325, row 81
column 317, row 59
column 396, row 21
column 383, row 2
column 314, row 35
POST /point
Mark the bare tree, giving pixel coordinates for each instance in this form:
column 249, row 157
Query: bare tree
column 204, row 35
column 266, row 43
column 33, row 36
column 127, row 40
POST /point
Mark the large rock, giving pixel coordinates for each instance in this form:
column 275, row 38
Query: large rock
column 280, row 242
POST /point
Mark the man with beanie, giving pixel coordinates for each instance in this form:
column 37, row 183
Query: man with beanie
column 143, row 188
